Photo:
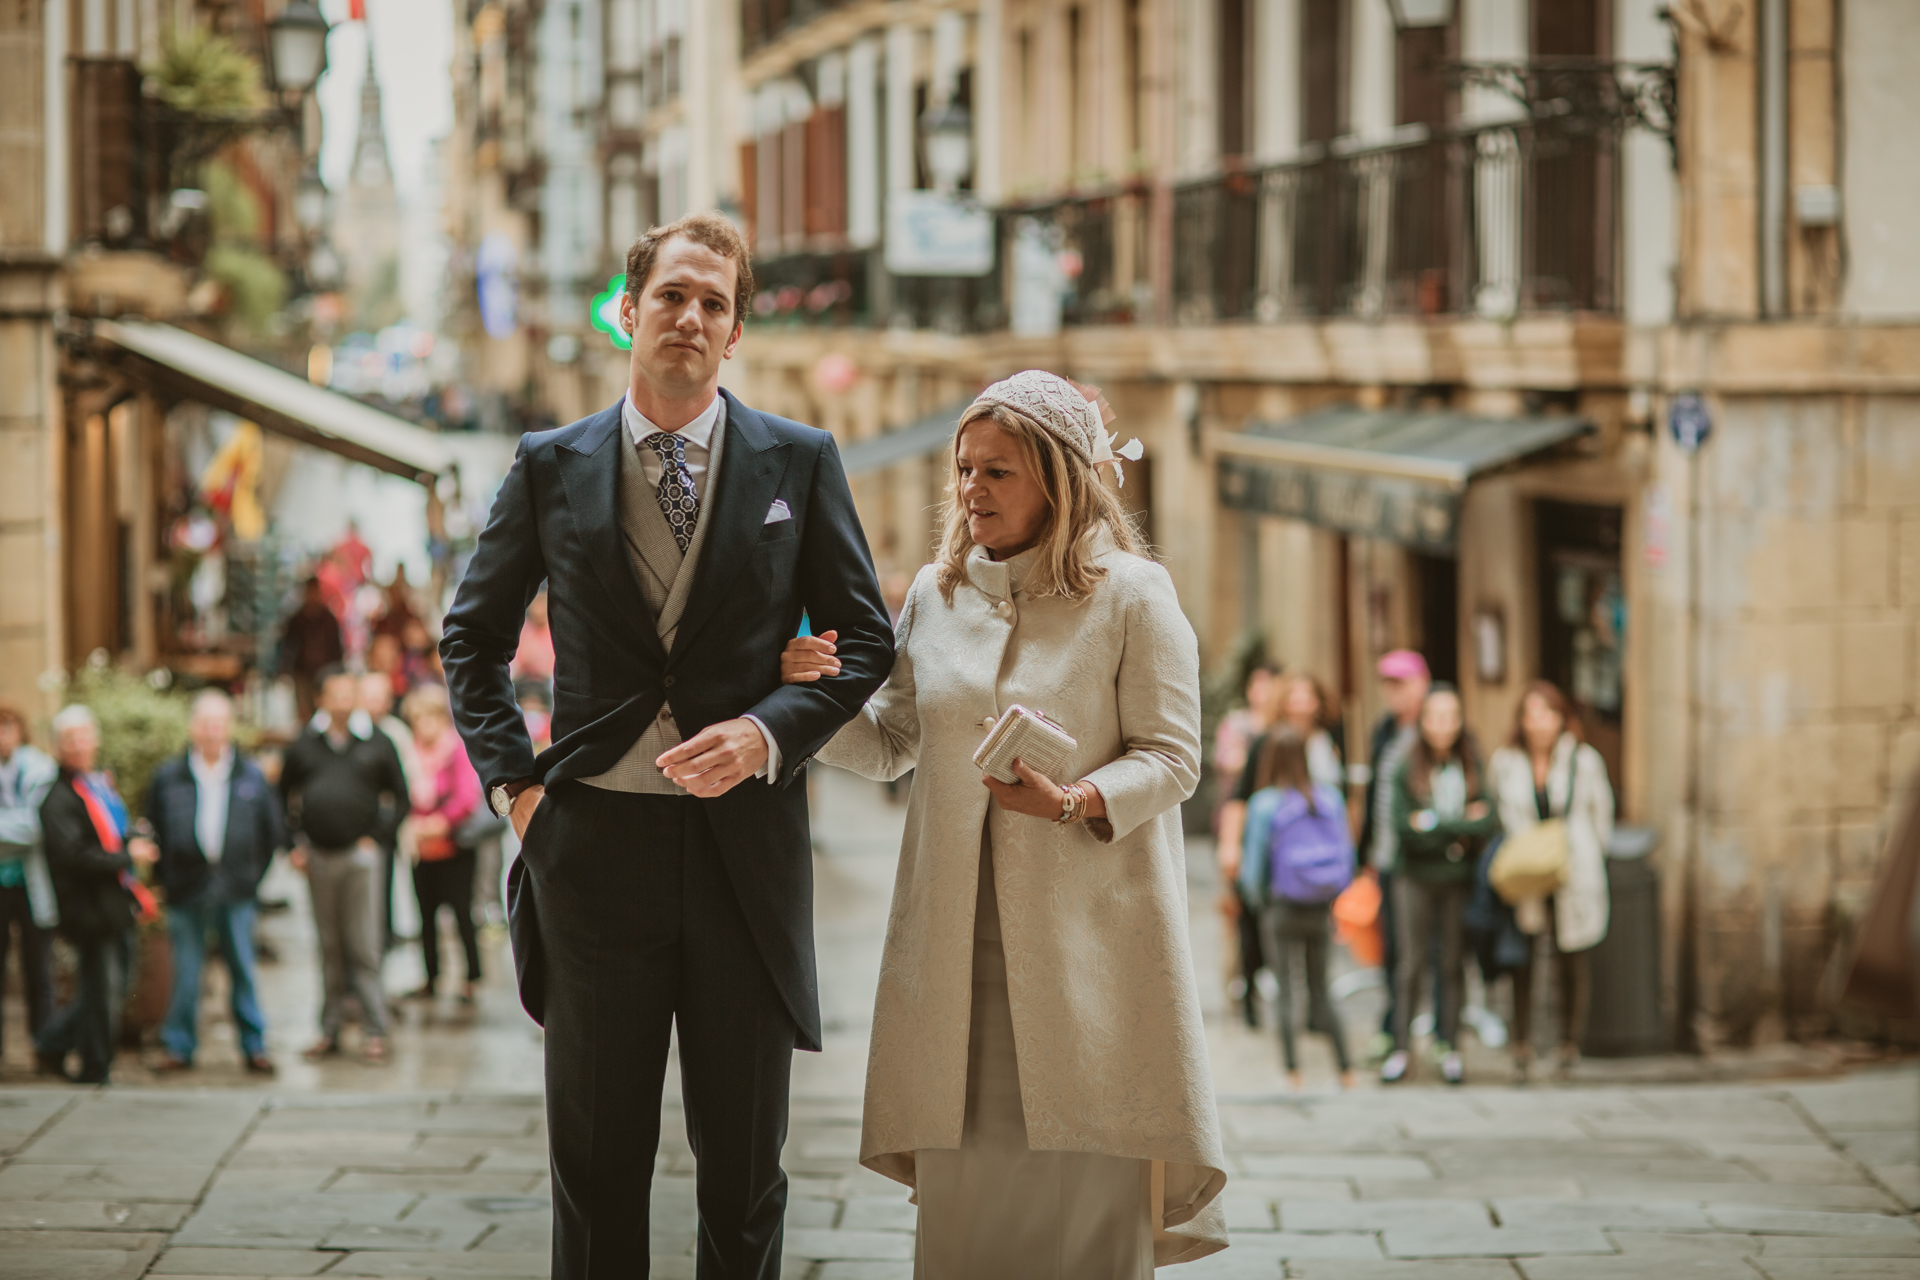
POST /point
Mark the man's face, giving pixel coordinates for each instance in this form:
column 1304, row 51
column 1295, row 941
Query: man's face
column 1404, row 698
column 376, row 694
column 337, row 697
column 683, row 325
column 78, row 747
column 9, row 738
column 211, row 728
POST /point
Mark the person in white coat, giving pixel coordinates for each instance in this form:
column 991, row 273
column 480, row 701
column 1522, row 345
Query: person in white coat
column 1548, row 772
column 1038, row 1070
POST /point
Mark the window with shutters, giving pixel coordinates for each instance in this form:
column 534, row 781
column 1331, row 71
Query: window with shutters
column 22, row 146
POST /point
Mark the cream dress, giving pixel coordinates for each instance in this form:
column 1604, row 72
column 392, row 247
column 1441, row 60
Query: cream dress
column 1038, row 1071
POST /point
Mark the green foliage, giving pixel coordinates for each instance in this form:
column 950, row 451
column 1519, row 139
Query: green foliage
column 204, row 74
column 1224, row 687
column 233, row 207
column 140, row 726
column 256, row 289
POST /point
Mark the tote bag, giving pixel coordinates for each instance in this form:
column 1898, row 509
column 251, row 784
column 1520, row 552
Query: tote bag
column 1533, row 863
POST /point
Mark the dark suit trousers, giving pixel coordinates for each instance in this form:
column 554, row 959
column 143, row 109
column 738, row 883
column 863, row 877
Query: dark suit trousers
column 641, row 934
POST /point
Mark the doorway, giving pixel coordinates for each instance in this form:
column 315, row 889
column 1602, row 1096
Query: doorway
column 1437, row 579
column 1583, row 617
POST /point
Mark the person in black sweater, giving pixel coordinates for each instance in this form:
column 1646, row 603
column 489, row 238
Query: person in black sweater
column 91, row 859
column 334, row 780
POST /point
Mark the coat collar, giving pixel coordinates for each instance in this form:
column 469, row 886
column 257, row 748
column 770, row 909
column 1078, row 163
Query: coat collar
column 752, row 464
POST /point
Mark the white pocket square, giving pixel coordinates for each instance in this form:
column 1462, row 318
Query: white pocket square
column 777, row 512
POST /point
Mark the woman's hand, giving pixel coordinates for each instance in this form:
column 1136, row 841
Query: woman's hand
column 808, row 658
column 1040, row 796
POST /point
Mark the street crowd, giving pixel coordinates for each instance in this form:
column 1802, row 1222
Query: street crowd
column 376, row 777
column 1452, row 857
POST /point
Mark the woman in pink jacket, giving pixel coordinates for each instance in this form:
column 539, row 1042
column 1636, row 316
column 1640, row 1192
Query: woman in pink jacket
column 446, row 791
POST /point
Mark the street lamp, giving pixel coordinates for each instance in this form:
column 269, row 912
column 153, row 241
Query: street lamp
column 297, row 47
column 310, row 201
column 948, row 135
column 1421, row 13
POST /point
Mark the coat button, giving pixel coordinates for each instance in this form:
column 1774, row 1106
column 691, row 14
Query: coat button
column 1004, row 608
column 668, row 682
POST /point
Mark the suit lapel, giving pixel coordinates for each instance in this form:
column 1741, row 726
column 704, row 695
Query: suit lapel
column 751, row 468
column 590, row 474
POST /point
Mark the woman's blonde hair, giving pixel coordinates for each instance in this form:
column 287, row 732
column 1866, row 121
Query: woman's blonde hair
column 1079, row 505
column 427, row 699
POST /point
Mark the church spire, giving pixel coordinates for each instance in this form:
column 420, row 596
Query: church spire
column 370, row 165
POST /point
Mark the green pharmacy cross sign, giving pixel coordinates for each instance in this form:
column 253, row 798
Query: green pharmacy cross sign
column 606, row 312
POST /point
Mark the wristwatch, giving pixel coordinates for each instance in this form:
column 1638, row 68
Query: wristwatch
column 500, row 799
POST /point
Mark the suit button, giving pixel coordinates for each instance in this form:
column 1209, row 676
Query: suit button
column 668, row 682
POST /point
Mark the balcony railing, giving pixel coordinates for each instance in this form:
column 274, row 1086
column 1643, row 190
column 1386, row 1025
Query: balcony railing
column 1490, row 221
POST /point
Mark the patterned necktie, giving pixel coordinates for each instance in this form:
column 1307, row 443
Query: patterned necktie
column 678, row 501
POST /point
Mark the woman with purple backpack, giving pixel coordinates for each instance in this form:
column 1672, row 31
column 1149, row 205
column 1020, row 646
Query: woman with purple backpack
column 1297, row 857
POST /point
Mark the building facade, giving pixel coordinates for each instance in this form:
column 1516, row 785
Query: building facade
column 1569, row 340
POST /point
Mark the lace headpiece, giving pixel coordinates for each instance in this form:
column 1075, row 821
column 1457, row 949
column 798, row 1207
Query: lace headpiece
column 1075, row 415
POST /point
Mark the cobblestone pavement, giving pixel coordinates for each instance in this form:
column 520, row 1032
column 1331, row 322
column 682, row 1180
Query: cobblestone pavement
column 436, row 1167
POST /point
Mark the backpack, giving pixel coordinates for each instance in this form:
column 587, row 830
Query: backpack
column 1311, row 853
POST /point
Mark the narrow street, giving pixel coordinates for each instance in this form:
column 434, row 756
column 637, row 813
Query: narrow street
column 435, row 1166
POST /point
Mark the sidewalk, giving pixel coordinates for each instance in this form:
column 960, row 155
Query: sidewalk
column 438, row 1168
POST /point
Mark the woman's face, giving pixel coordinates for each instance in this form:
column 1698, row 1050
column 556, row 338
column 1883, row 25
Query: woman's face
column 428, row 725
column 1440, row 722
column 1540, row 724
column 1303, row 707
column 1005, row 503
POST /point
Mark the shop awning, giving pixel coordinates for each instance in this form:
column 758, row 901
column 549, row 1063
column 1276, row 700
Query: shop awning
column 195, row 368
column 1398, row 474
column 914, row 440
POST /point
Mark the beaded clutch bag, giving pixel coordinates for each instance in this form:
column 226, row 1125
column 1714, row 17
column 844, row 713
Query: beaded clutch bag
column 1030, row 736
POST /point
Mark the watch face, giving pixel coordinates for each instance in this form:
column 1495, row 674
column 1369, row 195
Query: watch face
column 502, row 805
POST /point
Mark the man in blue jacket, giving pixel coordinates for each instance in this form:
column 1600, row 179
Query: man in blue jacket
column 218, row 824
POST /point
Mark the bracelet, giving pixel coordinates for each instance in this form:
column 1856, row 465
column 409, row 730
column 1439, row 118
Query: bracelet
column 1073, row 803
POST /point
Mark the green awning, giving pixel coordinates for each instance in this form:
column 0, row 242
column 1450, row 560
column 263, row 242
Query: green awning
column 1397, row 474
column 914, row 440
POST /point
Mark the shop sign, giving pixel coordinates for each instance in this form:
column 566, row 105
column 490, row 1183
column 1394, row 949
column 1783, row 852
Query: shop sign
column 931, row 233
column 1423, row 516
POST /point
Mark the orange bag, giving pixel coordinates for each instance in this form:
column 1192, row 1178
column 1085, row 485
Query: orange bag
column 1356, row 920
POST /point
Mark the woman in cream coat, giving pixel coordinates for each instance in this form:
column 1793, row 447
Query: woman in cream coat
column 1547, row 772
column 1038, row 1071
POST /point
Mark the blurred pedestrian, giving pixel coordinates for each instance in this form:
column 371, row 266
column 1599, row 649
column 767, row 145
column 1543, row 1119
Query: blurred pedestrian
column 376, row 699
column 446, row 794
column 1404, row 681
column 1242, row 745
column 310, row 642
column 1547, row 773
column 26, row 890
column 420, row 660
column 217, row 824
column 92, row 859
column 1443, row 816
column 397, row 608
column 341, row 783
column 1300, row 844
column 532, row 665
column 1310, row 711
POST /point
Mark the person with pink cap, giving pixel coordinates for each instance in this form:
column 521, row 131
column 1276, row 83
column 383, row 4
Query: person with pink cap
column 1404, row 680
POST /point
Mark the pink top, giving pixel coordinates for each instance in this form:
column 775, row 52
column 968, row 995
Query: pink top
column 447, row 787
column 534, row 657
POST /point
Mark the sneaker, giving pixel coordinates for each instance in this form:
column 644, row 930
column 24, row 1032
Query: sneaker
column 324, row 1048
column 1452, row 1069
column 1379, row 1047
column 1394, row 1069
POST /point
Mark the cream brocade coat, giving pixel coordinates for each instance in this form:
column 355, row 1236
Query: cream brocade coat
column 1106, row 1012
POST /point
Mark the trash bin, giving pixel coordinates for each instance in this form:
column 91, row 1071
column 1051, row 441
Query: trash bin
column 1624, row 1019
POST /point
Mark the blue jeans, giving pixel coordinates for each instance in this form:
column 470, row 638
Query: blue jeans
column 232, row 924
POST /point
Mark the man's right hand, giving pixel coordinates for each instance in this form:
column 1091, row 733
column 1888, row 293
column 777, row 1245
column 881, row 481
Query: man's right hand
column 523, row 806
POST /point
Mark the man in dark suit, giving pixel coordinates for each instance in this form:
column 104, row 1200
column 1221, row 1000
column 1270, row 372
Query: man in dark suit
column 218, row 825
column 665, row 880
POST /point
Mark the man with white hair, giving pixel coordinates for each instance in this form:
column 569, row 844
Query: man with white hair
column 84, row 825
column 218, row 824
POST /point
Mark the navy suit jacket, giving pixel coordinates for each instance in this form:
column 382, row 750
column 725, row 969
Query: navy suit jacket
column 255, row 831
column 557, row 519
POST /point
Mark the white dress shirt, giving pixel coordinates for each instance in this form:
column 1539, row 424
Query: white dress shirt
column 697, row 438
column 210, row 783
